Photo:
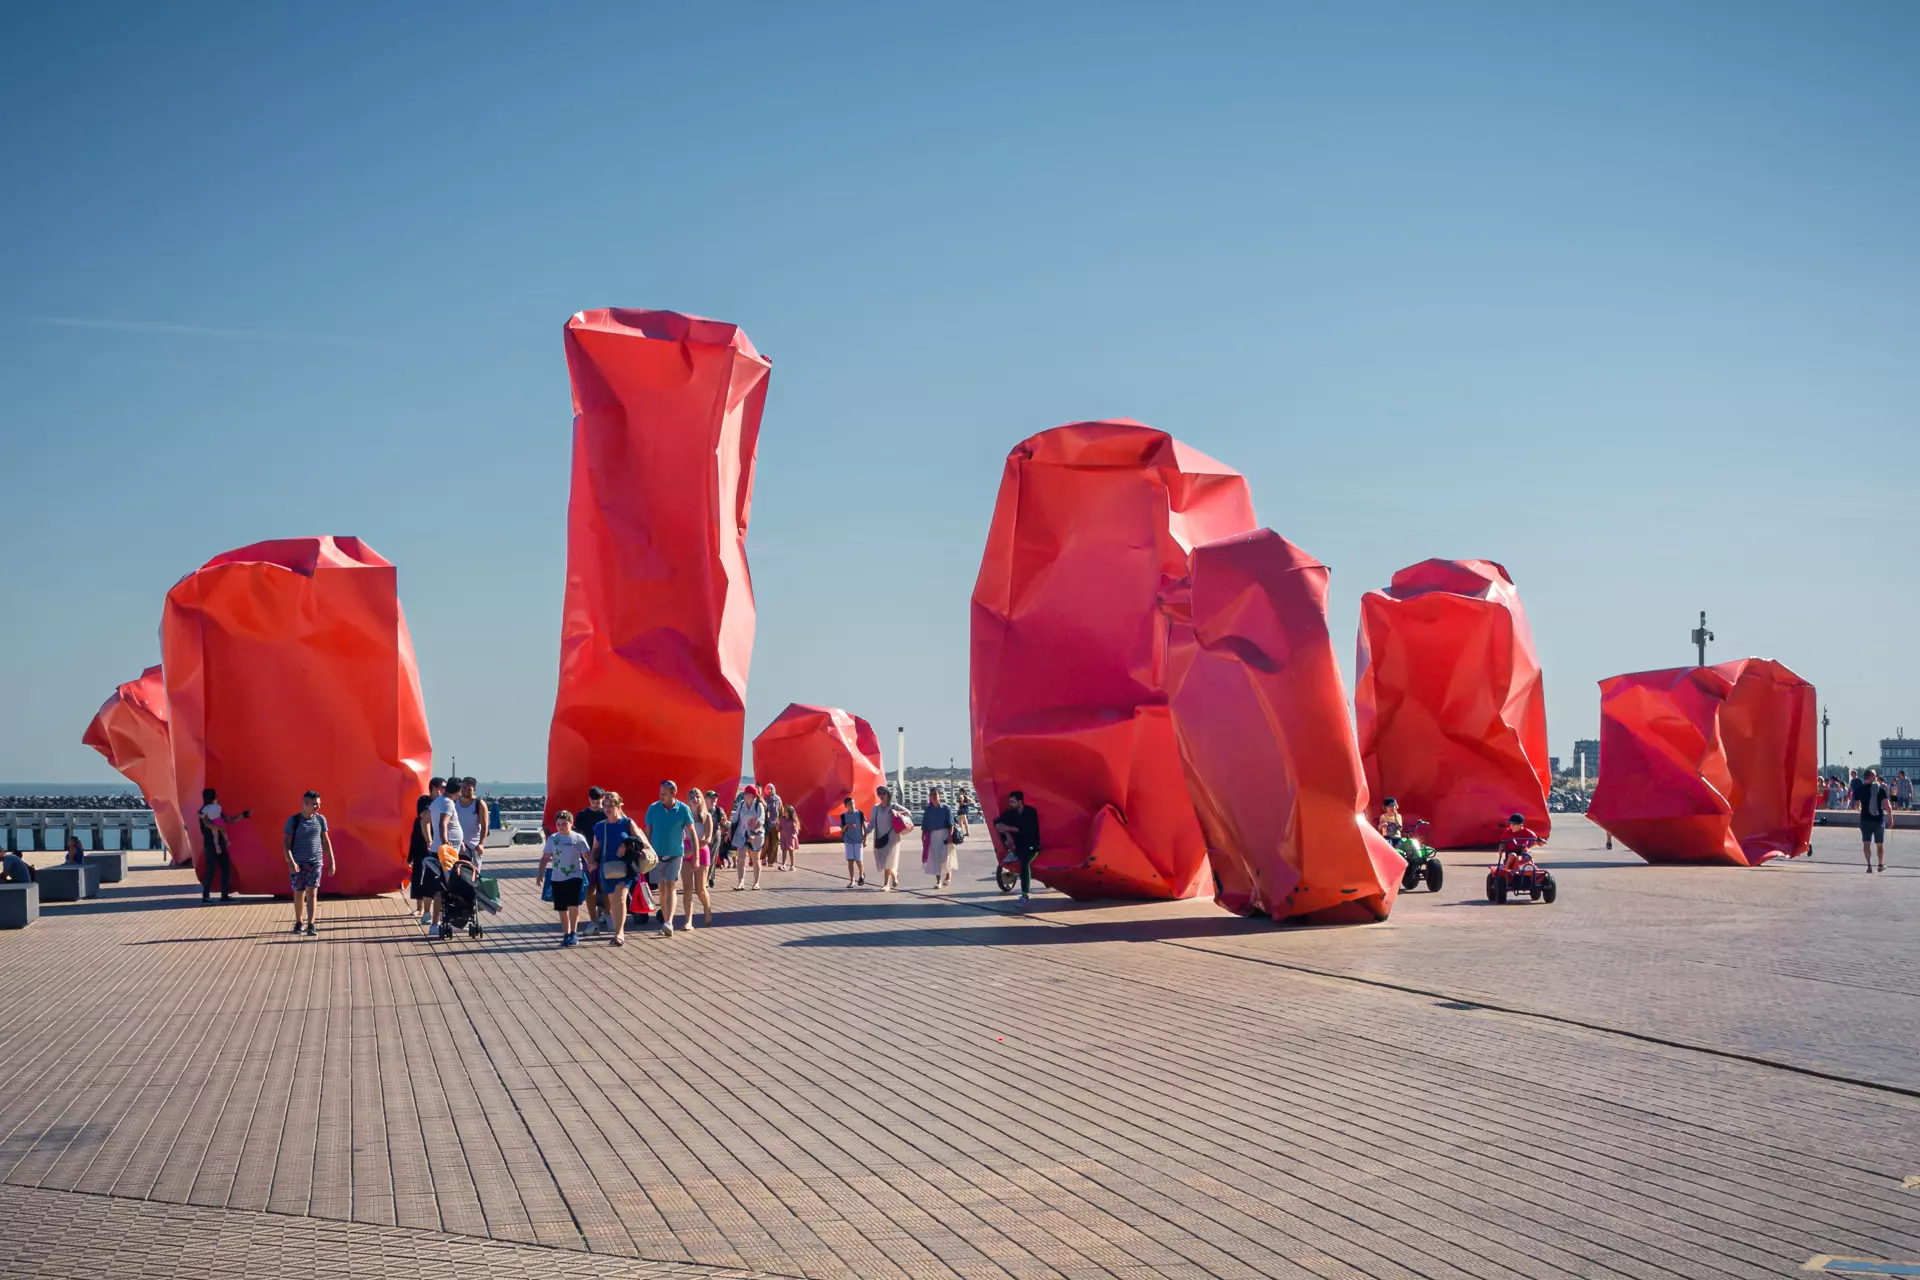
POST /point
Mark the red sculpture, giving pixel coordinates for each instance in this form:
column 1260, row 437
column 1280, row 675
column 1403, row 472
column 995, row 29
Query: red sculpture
column 1449, row 706
column 1708, row 764
column 289, row 668
column 130, row 730
column 817, row 756
column 657, row 631
column 1069, row 651
column 1261, row 714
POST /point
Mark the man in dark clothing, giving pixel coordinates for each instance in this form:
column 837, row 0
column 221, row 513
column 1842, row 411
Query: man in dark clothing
column 1870, row 795
column 1019, row 829
column 15, row 869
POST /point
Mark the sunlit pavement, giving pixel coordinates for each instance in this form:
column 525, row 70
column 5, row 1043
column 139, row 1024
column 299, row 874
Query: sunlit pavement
column 1669, row 1072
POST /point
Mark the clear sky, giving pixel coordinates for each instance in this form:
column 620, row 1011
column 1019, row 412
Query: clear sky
column 1626, row 296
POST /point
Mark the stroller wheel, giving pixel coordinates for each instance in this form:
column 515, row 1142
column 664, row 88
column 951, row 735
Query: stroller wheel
column 474, row 930
column 446, row 931
column 1005, row 878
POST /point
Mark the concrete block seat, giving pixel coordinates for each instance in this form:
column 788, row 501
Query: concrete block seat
column 19, row 905
column 68, row 882
column 112, row 864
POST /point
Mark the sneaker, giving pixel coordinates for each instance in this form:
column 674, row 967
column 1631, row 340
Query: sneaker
column 311, row 931
column 226, row 897
column 296, row 926
column 863, row 882
column 426, row 917
column 666, row 931
column 600, row 925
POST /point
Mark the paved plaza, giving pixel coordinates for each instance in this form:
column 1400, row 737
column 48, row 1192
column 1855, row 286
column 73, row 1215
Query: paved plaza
column 1669, row 1073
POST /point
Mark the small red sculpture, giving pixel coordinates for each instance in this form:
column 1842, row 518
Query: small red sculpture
column 657, row 627
column 1448, row 703
column 1069, row 651
column 817, row 756
column 289, row 668
column 131, row 731
column 1708, row 764
column 1266, row 739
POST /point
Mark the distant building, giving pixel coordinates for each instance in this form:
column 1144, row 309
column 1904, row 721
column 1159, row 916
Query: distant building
column 1553, row 766
column 1899, row 753
column 1589, row 750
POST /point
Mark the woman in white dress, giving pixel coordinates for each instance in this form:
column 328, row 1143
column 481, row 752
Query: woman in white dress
column 886, row 841
column 937, row 853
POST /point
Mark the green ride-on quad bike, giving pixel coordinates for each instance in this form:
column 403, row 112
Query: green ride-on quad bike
column 1423, row 861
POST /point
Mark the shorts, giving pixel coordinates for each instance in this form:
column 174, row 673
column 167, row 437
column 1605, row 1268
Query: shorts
column 1873, row 832
column 668, row 869
column 305, row 877
column 854, row 852
column 704, row 858
column 567, row 893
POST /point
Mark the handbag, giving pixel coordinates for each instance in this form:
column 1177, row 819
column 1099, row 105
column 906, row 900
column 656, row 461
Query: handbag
column 639, row 855
column 546, row 885
column 900, row 823
column 958, row 836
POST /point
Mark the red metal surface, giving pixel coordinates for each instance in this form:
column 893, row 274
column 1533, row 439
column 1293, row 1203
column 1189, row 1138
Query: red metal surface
column 288, row 668
column 1261, row 715
column 1449, row 707
column 817, row 756
column 130, row 730
column 1708, row 764
column 1069, row 651
column 657, row 632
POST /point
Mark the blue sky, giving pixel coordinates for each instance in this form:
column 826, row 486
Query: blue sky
column 1625, row 296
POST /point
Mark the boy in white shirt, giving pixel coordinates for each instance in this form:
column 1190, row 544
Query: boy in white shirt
column 565, row 853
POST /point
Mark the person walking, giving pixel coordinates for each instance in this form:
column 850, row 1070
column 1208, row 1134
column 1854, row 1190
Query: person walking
column 886, row 838
column 564, row 858
column 789, row 837
column 1019, row 829
column 594, row 906
column 213, row 839
column 937, row 854
column 749, row 835
column 771, row 799
column 1871, row 797
column 472, row 811
column 423, row 863
column 670, row 829
column 1903, row 790
column 853, row 835
column 306, row 843
column 696, row 880
column 611, row 867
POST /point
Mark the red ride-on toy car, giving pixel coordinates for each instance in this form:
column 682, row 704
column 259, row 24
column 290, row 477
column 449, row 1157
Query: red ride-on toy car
column 1517, row 873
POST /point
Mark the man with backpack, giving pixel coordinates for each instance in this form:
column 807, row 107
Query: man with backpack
column 1875, row 803
column 305, row 842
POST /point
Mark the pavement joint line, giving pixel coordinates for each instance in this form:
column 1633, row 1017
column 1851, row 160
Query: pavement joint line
column 462, row 1237
column 1758, row 1060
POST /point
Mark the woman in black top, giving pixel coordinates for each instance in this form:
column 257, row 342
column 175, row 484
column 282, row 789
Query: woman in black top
column 420, row 852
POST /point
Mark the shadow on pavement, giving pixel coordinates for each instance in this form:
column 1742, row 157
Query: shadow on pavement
column 1017, row 933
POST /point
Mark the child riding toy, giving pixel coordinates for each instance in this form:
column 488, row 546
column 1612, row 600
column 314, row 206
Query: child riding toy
column 1516, row 872
column 1423, row 861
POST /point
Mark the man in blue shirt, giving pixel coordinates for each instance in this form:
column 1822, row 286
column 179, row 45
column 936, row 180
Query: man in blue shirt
column 669, row 825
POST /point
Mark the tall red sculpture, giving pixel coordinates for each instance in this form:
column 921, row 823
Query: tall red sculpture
column 657, row 631
column 131, row 731
column 1266, row 739
column 1708, row 764
column 289, row 668
column 1069, row 651
column 817, row 756
column 1449, row 706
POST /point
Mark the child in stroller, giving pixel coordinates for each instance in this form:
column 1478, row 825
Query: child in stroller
column 464, row 894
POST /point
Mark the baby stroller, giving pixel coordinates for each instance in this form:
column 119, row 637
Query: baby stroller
column 465, row 894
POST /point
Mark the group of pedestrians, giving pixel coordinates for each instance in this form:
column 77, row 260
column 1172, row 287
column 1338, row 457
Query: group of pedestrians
column 305, row 843
column 449, row 826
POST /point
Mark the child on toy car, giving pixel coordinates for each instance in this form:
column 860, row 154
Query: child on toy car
column 1515, row 849
column 1391, row 823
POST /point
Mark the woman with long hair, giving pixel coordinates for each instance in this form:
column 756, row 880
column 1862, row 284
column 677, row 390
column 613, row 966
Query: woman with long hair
column 424, row 887
column 937, row 853
column 789, row 836
column 694, row 879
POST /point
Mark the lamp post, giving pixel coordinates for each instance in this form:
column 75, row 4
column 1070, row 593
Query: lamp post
column 1826, row 722
column 901, row 761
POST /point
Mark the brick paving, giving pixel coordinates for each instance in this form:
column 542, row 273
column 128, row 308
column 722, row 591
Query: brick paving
column 855, row 1084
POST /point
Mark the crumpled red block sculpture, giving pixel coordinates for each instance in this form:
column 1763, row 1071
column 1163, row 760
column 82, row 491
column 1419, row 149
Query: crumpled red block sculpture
column 289, row 668
column 1261, row 714
column 1069, row 651
column 657, row 632
column 817, row 756
column 131, row 731
column 1449, row 706
column 1708, row 764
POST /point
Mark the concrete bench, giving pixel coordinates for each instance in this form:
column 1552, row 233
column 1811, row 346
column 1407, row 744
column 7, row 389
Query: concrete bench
column 68, row 882
column 112, row 864
column 19, row 905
